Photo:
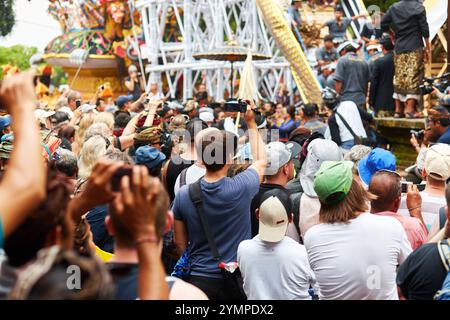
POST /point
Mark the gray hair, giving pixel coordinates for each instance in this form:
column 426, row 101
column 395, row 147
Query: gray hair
column 67, row 163
column 97, row 129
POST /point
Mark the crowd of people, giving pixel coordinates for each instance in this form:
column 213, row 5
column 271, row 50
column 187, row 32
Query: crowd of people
column 382, row 70
column 143, row 198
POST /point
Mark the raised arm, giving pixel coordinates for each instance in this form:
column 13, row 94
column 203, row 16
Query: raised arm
column 23, row 185
column 256, row 142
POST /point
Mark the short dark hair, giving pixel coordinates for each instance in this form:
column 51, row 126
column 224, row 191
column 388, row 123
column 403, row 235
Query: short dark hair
column 121, row 120
column 328, row 38
column 215, row 162
column 124, row 238
column 291, row 111
column 194, row 126
column 67, row 132
column 30, row 237
column 98, row 102
column 310, row 110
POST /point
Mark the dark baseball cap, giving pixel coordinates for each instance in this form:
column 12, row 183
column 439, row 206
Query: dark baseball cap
column 121, row 100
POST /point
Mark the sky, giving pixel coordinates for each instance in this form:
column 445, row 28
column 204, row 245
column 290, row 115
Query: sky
column 34, row 26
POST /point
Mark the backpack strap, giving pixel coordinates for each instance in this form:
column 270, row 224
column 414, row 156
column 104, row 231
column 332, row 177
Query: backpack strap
column 196, row 195
column 295, row 198
column 183, row 175
column 164, row 174
column 442, row 218
column 444, row 252
column 348, row 126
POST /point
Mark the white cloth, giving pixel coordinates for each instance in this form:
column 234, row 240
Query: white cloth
column 193, row 173
column 430, row 208
column 349, row 111
column 357, row 260
column 309, row 213
column 277, row 271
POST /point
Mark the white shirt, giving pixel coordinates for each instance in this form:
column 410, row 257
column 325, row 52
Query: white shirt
column 357, row 260
column 349, row 111
column 309, row 213
column 430, row 208
column 193, row 173
column 277, row 271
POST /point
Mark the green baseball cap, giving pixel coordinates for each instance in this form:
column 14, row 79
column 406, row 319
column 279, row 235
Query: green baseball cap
column 333, row 177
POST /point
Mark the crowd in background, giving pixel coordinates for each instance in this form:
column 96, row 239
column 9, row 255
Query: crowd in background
column 145, row 198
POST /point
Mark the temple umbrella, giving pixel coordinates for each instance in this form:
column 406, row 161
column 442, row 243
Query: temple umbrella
column 231, row 52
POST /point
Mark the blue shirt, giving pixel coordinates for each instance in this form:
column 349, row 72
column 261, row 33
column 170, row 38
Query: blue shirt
column 445, row 138
column 226, row 205
column 102, row 238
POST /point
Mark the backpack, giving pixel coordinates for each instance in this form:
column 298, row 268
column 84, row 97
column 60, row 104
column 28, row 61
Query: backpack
column 444, row 252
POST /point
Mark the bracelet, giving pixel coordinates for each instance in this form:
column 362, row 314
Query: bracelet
column 412, row 209
column 151, row 239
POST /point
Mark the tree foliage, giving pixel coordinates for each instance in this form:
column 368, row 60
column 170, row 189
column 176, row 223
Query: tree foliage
column 17, row 55
column 6, row 17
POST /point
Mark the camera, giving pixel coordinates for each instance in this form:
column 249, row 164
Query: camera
column 235, row 106
column 418, row 134
column 441, row 83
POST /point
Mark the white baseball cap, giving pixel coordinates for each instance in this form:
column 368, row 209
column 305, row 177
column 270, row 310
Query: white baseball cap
column 273, row 219
column 437, row 161
column 43, row 114
column 67, row 111
column 278, row 154
column 88, row 107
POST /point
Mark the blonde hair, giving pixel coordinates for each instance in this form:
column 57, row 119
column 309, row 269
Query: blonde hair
column 357, row 200
column 106, row 118
column 85, row 123
column 93, row 150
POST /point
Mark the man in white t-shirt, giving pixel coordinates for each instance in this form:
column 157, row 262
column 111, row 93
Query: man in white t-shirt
column 436, row 172
column 353, row 254
column 272, row 265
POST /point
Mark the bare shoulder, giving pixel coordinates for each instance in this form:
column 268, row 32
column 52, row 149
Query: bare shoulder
column 183, row 290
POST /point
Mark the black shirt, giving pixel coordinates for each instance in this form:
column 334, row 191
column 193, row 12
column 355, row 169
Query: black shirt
column 369, row 30
column 175, row 166
column 136, row 93
column 409, row 21
column 256, row 202
column 422, row 274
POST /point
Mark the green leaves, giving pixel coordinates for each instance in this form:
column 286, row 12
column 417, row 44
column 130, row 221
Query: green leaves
column 6, row 17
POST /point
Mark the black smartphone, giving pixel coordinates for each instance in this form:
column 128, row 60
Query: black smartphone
column 420, row 186
column 117, row 177
column 78, row 103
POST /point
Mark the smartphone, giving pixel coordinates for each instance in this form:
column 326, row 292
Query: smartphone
column 420, row 186
column 78, row 103
column 117, row 177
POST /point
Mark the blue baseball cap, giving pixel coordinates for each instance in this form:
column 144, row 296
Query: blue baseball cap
column 149, row 156
column 121, row 100
column 378, row 159
column 5, row 121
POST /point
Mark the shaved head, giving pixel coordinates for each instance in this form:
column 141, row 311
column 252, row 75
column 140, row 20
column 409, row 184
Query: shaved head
column 387, row 187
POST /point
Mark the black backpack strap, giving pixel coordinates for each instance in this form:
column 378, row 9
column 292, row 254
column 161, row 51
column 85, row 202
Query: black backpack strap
column 442, row 218
column 444, row 253
column 295, row 198
column 195, row 192
column 183, row 177
column 347, row 126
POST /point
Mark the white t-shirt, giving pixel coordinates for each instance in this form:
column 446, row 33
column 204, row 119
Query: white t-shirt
column 357, row 260
column 193, row 173
column 349, row 111
column 278, row 271
column 430, row 208
column 309, row 213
